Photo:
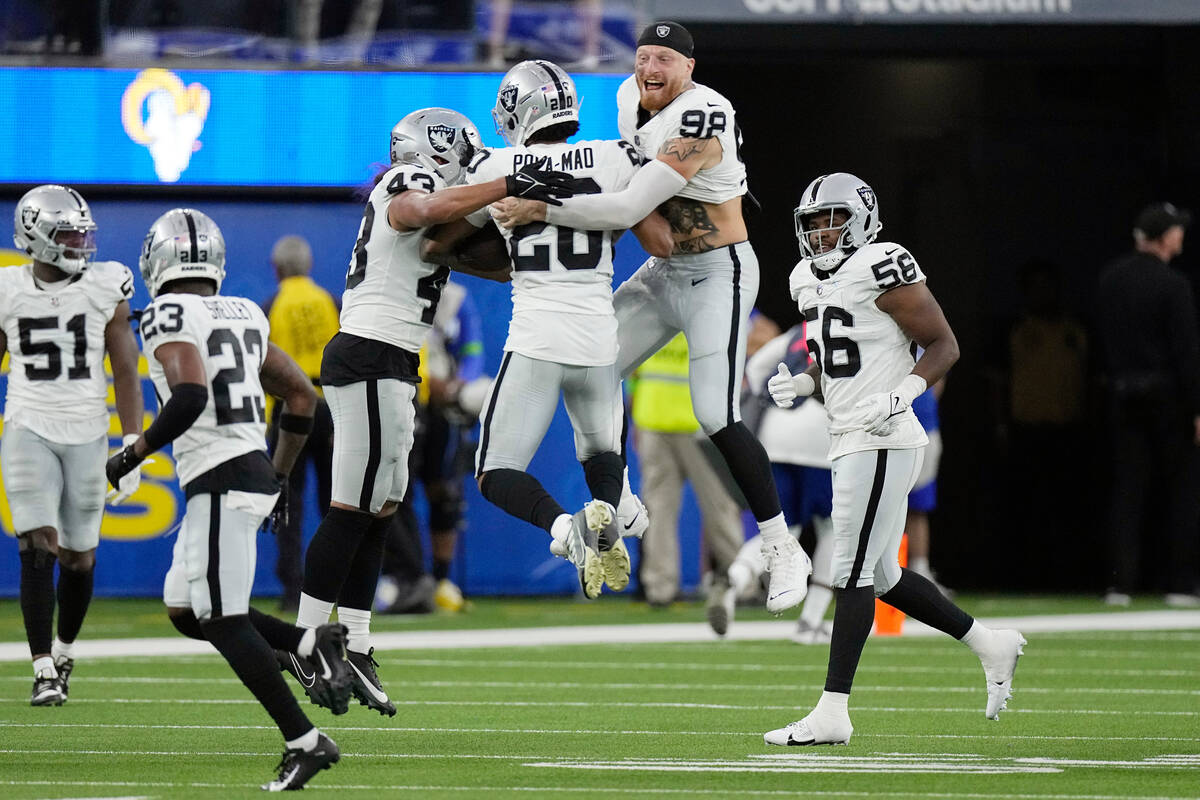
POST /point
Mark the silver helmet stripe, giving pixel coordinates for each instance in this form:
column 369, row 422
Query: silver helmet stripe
column 562, row 95
column 191, row 223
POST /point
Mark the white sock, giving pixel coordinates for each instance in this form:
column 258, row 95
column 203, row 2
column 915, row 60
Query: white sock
column 560, row 528
column 306, row 742
column 773, row 529
column 61, row 651
column 979, row 639
column 833, row 703
column 816, row 604
column 313, row 613
column 44, row 668
column 358, row 622
column 740, row 577
column 307, row 642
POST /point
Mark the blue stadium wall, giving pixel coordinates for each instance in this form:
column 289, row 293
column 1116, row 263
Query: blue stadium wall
column 261, row 130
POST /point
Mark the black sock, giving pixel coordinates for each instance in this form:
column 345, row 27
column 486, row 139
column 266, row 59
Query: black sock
column 187, row 624
column 604, row 473
column 521, row 495
column 74, row 596
column 917, row 597
column 331, row 552
column 358, row 590
column 37, row 598
column 279, row 634
column 750, row 468
column 441, row 569
column 251, row 658
column 852, row 619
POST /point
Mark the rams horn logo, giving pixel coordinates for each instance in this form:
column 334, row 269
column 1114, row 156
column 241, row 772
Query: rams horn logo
column 508, row 98
column 441, row 137
column 662, row 31
column 29, row 216
column 868, row 197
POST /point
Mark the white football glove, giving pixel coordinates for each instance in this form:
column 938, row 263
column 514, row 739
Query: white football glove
column 130, row 481
column 877, row 413
column 784, row 387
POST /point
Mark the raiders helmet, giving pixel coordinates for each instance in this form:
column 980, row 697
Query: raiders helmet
column 839, row 191
column 437, row 139
column 534, row 95
column 182, row 243
column 46, row 212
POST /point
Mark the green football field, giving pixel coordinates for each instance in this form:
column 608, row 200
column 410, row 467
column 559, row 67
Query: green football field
column 1095, row 714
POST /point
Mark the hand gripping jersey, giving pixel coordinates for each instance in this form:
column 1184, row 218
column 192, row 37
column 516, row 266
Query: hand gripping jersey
column 231, row 334
column 56, row 384
column 860, row 348
column 698, row 113
column 562, row 277
column 391, row 294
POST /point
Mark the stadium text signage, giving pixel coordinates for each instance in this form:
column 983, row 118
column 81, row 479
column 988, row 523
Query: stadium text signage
column 933, row 11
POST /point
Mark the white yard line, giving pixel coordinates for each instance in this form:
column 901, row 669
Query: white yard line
column 629, row 634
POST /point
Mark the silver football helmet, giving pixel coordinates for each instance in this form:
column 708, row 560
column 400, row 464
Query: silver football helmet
column 182, row 243
column 839, row 191
column 53, row 224
column 437, row 139
column 534, row 95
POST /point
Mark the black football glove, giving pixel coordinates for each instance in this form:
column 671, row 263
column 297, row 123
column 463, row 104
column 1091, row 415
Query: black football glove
column 277, row 520
column 121, row 464
column 534, row 183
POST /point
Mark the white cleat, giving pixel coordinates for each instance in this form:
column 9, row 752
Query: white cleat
column 632, row 516
column 790, row 567
column 812, row 730
column 998, row 669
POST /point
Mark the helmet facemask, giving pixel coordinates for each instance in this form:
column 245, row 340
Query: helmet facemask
column 813, row 239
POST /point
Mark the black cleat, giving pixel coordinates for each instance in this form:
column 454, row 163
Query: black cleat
column 48, row 692
column 297, row 766
column 325, row 676
column 64, row 667
column 365, row 682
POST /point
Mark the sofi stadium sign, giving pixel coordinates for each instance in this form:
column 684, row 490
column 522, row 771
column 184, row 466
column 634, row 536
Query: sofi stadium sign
column 933, row 11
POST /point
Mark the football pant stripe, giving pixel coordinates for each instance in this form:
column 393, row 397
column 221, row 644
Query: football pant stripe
column 868, row 524
column 375, row 447
column 491, row 410
column 734, row 319
column 213, row 574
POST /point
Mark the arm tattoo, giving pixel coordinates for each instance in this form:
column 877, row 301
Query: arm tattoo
column 683, row 149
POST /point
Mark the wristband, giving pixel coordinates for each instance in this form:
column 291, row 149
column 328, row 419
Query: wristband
column 295, row 423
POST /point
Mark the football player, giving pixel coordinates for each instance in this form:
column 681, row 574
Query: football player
column 563, row 335
column 59, row 316
column 369, row 369
column 210, row 360
column 707, row 286
column 865, row 303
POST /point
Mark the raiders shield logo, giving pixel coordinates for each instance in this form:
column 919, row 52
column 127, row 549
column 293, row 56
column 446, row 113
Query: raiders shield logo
column 662, row 31
column 441, row 137
column 868, row 197
column 508, row 98
column 29, row 216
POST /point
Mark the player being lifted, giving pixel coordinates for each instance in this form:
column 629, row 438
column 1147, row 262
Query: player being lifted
column 865, row 304
column 210, row 361
column 563, row 335
column 369, row 370
column 707, row 287
column 60, row 315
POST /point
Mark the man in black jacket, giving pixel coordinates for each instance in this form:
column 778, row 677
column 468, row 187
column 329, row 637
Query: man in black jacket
column 1150, row 350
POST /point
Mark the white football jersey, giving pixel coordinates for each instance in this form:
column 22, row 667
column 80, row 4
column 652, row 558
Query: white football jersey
column 698, row 113
column 562, row 277
column 861, row 349
column 231, row 334
column 56, row 383
column 391, row 294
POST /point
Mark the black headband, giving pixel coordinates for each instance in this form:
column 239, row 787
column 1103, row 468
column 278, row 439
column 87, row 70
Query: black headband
column 668, row 34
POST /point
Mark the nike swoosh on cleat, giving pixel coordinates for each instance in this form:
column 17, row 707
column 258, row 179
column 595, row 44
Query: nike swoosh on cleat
column 371, row 687
column 324, row 666
column 306, row 680
column 781, row 594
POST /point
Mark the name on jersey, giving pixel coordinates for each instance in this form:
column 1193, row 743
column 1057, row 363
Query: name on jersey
column 227, row 309
column 581, row 158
